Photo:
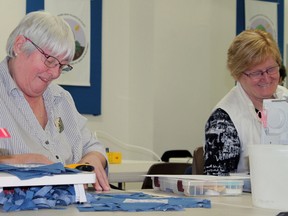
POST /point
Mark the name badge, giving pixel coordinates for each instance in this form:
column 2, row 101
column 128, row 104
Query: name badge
column 59, row 124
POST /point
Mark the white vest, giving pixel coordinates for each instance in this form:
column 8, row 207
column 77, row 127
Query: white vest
column 242, row 113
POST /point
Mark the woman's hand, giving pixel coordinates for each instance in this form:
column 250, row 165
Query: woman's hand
column 25, row 158
column 98, row 161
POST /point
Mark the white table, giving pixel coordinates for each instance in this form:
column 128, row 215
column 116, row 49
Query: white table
column 221, row 206
column 129, row 171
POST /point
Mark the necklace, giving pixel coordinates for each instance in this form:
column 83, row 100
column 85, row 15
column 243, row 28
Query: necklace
column 258, row 112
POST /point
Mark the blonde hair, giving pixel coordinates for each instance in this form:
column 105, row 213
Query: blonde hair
column 249, row 48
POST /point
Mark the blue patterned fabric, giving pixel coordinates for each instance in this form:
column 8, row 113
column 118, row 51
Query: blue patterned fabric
column 33, row 171
column 57, row 197
column 34, row 198
column 136, row 202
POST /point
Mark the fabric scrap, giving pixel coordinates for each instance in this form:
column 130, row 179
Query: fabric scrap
column 136, row 202
column 34, row 198
column 28, row 171
column 58, row 197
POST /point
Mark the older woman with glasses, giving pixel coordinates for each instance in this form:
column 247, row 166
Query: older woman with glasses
column 39, row 117
column 235, row 122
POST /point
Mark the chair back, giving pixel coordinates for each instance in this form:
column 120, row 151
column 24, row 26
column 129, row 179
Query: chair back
column 175, row 154
column 170, row 168
column 198, row 161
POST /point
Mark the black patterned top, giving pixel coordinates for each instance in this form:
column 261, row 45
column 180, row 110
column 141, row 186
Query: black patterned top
column 222, row 144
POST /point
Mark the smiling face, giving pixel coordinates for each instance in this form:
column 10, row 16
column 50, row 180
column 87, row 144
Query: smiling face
column 263, row 87
column 29, row 71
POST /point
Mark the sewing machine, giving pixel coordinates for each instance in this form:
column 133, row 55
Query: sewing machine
column 275, row 121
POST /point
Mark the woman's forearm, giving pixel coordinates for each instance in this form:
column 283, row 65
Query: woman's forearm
column 24, row 158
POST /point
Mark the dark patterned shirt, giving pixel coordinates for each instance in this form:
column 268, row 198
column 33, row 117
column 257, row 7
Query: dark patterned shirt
column 222, row 144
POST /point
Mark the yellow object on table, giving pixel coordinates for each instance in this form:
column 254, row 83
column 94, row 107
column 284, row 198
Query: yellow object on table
column 114, row 157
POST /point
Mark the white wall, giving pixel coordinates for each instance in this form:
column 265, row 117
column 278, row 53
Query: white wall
column 190, row 68
column 163, row 69
column 11, row 12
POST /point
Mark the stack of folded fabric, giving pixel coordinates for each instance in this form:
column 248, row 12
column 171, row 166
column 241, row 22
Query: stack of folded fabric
column 28, row 171
column 59, row 196
column 28, row 198
column 34, row 198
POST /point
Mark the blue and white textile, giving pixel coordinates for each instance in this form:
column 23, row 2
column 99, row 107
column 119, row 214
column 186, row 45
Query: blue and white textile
column 34, row 198
column 57, row 197
column 28, row 171
column 136, row 202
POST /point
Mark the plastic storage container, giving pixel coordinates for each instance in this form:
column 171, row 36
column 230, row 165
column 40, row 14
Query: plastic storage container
column 269, row 176
column 198, row 187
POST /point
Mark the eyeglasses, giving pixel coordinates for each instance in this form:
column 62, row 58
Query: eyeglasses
column 256, row 75
column 51, row 61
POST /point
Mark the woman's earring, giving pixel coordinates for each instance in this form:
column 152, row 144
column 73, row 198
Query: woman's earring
column 15, row 54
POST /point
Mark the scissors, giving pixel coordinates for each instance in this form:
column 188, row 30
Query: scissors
column 82, row 167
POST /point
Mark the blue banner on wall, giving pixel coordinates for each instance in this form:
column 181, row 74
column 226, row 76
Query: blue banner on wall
column 241, row 22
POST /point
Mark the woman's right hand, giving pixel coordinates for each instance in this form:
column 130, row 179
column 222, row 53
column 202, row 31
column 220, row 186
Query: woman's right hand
column 25, row 158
